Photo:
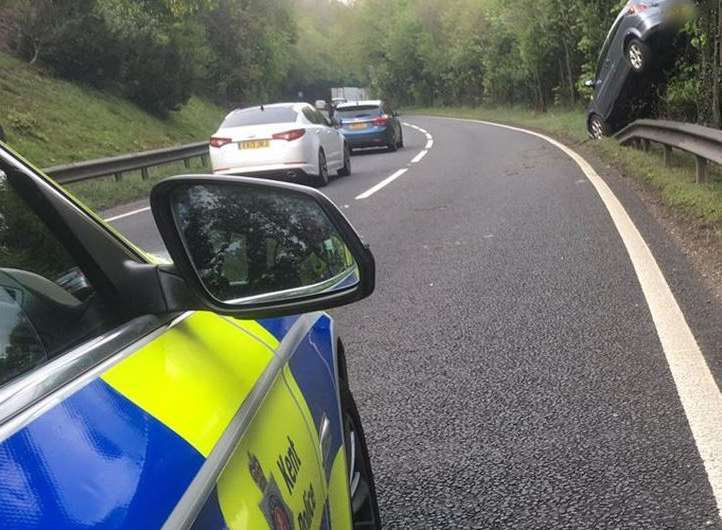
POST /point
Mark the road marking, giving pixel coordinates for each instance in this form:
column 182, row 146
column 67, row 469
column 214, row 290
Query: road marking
column 697, row 389
column 418, row 157
column 128, row 214
column 382, row 184
column 415, row 160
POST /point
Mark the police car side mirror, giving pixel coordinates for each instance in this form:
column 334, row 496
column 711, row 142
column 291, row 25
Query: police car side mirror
column 255, row 248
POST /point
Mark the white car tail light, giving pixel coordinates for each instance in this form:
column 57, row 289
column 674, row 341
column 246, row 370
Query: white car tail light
column 295, row 134
column 219, row 142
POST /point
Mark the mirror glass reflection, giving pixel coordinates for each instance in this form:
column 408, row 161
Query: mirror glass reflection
column 255, row 243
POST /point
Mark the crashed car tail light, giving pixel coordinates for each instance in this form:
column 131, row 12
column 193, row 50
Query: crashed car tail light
column 381, row 120
column 219, row 142
column 635, row 9
column 295, row 134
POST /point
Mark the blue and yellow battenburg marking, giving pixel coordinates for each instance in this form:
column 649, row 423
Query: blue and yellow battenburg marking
column 272, row 481
column 121, row 452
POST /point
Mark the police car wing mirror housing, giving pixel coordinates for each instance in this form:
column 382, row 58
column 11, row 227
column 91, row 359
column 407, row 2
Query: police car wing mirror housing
column 253, row 248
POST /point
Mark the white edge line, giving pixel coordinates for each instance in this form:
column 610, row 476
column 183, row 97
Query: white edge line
column 382, row 184
column 429, row 144
column 418, row 157
column 698, row 392
column 127, row 214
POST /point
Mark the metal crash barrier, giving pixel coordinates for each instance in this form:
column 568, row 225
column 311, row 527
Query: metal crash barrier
column 702, row 142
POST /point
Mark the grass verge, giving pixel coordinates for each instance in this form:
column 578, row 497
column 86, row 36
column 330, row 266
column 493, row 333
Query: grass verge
column 676, row 186
column 105, row 193
column 51, row 121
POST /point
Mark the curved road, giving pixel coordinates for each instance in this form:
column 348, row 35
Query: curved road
column 508, row 367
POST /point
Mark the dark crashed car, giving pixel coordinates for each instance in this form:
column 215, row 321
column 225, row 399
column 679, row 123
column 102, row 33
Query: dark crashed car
column 639, row 42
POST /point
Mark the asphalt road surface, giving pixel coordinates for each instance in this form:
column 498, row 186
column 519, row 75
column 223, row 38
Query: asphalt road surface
column 508, row 368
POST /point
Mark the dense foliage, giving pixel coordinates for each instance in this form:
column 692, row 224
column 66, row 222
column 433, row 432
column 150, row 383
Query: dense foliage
column 159, row 52
column 416, row 52
column 536, row 53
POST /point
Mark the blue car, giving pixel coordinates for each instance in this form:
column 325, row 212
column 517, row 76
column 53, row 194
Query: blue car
column 370, row 124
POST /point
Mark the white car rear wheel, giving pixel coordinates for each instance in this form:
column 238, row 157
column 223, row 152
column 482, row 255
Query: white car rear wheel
column 322, row 177
column 345, row 171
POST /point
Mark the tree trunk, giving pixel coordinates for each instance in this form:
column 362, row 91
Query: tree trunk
column 706, row 111
column 717, row 74
column 570, row 78
column 36, row 52
column 541, row 103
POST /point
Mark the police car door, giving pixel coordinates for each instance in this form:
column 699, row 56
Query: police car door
column 268, row 472
column 155, row 422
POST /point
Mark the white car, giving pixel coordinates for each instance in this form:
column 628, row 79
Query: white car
column 287, row 141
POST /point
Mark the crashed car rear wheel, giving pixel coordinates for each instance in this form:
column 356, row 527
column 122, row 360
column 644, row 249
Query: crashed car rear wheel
column 598, row 127
column 638, row 55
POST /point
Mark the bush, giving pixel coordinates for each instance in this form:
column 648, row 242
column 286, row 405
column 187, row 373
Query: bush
column 140, row 49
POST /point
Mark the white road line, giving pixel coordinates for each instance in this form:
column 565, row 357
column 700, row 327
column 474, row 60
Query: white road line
column 415, row 160
column 366, row 194
column 418, row 157
column 697, row 389
column 127, row 214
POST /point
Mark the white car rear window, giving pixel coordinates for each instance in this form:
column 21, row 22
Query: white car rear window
column 256, row 116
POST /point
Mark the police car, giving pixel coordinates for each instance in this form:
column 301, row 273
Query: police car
column 208, row 394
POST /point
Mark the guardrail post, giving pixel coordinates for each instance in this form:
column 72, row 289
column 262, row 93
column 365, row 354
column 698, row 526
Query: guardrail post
column 701, row 169
column 645, row 145
column 118, row 177
column 667, row 156
column 187, row 163
column 204, row 160
column 144, row 173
